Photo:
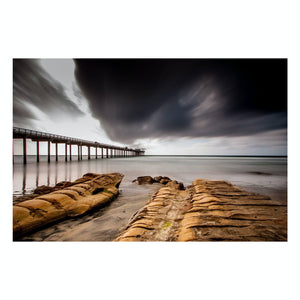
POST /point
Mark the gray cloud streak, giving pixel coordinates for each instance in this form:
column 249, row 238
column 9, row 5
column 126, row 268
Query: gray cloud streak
column 32, row 85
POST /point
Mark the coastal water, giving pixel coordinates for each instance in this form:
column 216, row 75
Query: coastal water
column 264, row 175
column 258, row 174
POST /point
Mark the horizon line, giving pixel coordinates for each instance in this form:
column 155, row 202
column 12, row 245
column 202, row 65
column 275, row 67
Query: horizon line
column 211, row 155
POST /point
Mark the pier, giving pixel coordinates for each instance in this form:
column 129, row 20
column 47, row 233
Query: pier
column 107, row 151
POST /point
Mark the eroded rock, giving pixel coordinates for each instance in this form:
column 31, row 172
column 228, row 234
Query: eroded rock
column 176, row 185
column 149, row 180
column 64, row 184
column 43, row 189
column 157, row 178
column 144, row 180
column 164, row 180
column 208, row 211
column 87, row 193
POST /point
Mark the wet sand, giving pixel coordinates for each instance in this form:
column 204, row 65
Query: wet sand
column 104, row 224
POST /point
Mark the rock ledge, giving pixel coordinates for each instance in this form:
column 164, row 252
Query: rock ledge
column 208, row 211
column 84, row 194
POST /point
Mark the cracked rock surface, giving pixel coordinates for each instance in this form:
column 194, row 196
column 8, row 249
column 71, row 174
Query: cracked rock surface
column 208, row 211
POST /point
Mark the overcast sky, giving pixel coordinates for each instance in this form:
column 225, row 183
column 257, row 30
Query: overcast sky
column 218, row 107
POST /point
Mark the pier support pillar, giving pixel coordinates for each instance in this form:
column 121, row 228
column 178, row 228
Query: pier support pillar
column 37, row 151
column 78, row 153
column 106, row 152
column 89, row 152
column 48, row 151
column 70, row 151
column 96, row 152
column 24, row 151
column 102, row 152
column 66, row 152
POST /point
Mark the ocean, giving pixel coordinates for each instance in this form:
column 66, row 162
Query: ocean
column 264, row 175
column 257, row 174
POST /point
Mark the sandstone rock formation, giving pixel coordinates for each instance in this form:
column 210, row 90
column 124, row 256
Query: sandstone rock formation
column 45, row 189
column 158, row 179
column 208, row 211
column 84, row 194
column 144, row 180
column 175, row 184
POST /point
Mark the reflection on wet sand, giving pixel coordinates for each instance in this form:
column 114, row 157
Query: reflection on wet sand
column 24, row 180
column 28, row 177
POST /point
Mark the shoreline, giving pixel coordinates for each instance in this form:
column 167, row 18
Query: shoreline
column 106, row 223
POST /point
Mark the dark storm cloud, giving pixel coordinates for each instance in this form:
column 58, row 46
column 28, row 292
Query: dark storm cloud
column 33, row 87
column 140, row 98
